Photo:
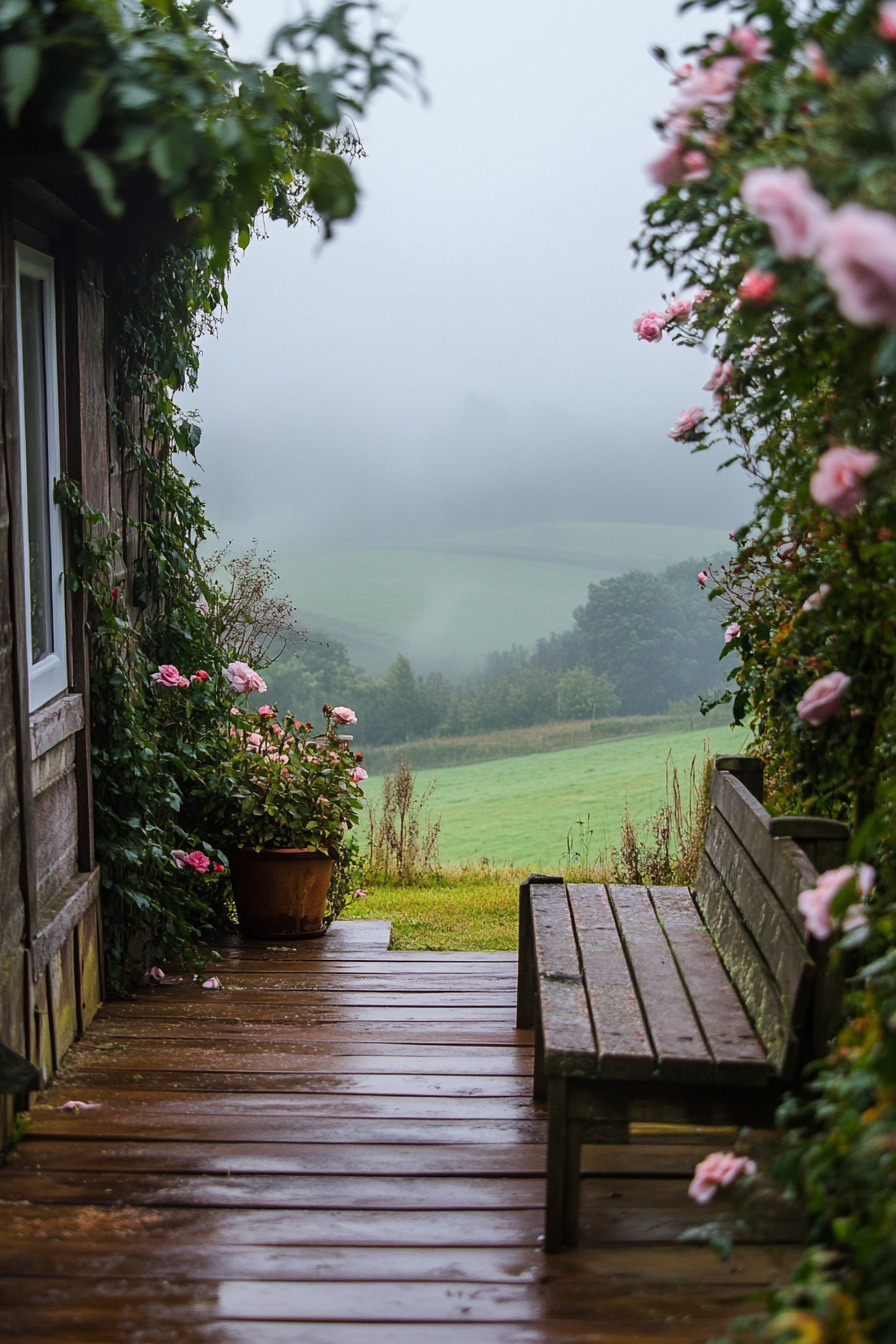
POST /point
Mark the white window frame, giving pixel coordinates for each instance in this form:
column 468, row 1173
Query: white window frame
column 48, row 677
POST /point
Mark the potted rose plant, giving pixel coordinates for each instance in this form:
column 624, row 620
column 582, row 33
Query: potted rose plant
column 279, row 802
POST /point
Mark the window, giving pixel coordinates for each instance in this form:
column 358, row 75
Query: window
column 39, row 434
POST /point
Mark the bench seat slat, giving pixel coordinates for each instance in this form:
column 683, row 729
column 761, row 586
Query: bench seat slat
column 774, row 934
column 746, row 968
column 568, row 1039
column 681, row 1052
column 623, row 1046
column 739, row 1058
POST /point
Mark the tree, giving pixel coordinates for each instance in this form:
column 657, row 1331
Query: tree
column 582, row 695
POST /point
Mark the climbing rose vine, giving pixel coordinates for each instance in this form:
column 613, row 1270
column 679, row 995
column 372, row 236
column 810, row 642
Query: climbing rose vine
column 776, row 218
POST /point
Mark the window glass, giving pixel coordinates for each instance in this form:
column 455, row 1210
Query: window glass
column 39, row 437
column 37, row 467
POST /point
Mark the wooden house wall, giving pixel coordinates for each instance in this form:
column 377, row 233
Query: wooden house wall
column 50, row 927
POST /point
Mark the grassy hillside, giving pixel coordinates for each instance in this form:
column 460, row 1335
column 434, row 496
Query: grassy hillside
column 520, row 810
column 441, row 753
column 449, row 601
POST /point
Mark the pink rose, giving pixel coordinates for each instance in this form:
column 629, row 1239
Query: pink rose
column 886, row 20
column 702, row 578
column 649, row 326
column 731, row 632
column 758, row 287
column 359, row 893
column 342, row 714
column 167, row 675
column 358, row 774
column 183, row 681
column 242, row 679
column 751, row 45
column 815, row 904
column 720, row 375
column 687, row 421
column 265, row 712
column 822, row 700
column 784, row 200
column 837, row 482
column 199, row 675
column 196, row 860
column 815, row 599
column 255, row 740
column 708, row 90
column 696, row 166
column 668, row 168
column 155, row 973
column 814, row 58
column 715, row 1170
column 679, row 310
column 857, row 256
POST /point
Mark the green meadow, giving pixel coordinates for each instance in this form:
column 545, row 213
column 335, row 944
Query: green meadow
column 520, row 810
column 446, row 602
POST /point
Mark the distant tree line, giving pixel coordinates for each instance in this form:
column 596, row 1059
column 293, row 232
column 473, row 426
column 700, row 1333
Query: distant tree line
column 639, row 643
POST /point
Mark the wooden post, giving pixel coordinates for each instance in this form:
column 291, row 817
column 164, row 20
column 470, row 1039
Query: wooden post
column 748, row 769
column 526, row 987
column 557, row 1164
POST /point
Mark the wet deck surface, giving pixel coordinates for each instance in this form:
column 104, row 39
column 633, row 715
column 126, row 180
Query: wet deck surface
column 340, row 1148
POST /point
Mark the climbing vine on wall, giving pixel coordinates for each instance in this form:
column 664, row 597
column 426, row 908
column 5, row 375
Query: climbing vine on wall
column 146, row 92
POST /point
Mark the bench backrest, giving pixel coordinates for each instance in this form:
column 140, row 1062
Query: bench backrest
column 751, row 872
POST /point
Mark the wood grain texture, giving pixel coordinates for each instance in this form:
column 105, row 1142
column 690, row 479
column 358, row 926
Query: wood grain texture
column 569, row 1047
column 747, row 969
column 739, row 1057
column 767, row 922
column 623, row 1046
column 782, row 863
column 263, row 1170
column 680, row 1050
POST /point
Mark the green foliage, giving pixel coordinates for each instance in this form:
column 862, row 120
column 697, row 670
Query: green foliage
column 582, row 695
column 145, row 91
column 810, row 591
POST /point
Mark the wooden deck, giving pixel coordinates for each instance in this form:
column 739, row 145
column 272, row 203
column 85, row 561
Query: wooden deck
column 339, row 1148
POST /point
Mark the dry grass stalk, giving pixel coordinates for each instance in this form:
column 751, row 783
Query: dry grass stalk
column 403, row 842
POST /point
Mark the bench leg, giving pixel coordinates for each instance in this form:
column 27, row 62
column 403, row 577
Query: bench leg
column 526, row 971
column 561, row 1218
column 539, row 1081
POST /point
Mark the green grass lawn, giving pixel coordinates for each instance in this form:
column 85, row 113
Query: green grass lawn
column 520, row 810
column 459, row 911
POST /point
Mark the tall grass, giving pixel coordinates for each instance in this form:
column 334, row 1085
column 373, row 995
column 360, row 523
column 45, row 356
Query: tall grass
column 662, row 851
column 403, row 841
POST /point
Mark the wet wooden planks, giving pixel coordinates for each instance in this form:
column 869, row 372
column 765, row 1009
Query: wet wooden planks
column 296, row 1158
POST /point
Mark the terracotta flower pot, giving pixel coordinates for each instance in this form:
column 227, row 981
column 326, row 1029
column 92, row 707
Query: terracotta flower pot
column 280, row 893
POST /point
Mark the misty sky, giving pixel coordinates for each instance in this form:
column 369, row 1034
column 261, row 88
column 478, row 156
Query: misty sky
column 462, row 354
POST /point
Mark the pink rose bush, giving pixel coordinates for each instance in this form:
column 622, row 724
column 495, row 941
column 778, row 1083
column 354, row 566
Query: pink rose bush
column 719, row 1169
column 815, row 903
column 731, row 631
column 687, row 422
column 649, row 326
column 358, row 774
column 243, row 680
column 837, row 481
column 822, row 701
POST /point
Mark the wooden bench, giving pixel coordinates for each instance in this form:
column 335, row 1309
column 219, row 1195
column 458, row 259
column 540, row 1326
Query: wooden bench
column 666, row 1005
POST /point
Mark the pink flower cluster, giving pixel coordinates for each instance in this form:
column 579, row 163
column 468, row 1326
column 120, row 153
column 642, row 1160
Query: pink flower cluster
column 242, row 679
column 196, row 860
column 651, row 324
column 717, row 1170
column 853, row 247
column 814, row 904
column 700, row 106
column 168, row 675
column 720, row 377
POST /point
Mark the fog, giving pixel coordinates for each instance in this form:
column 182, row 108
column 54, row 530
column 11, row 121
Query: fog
column 461, row 355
